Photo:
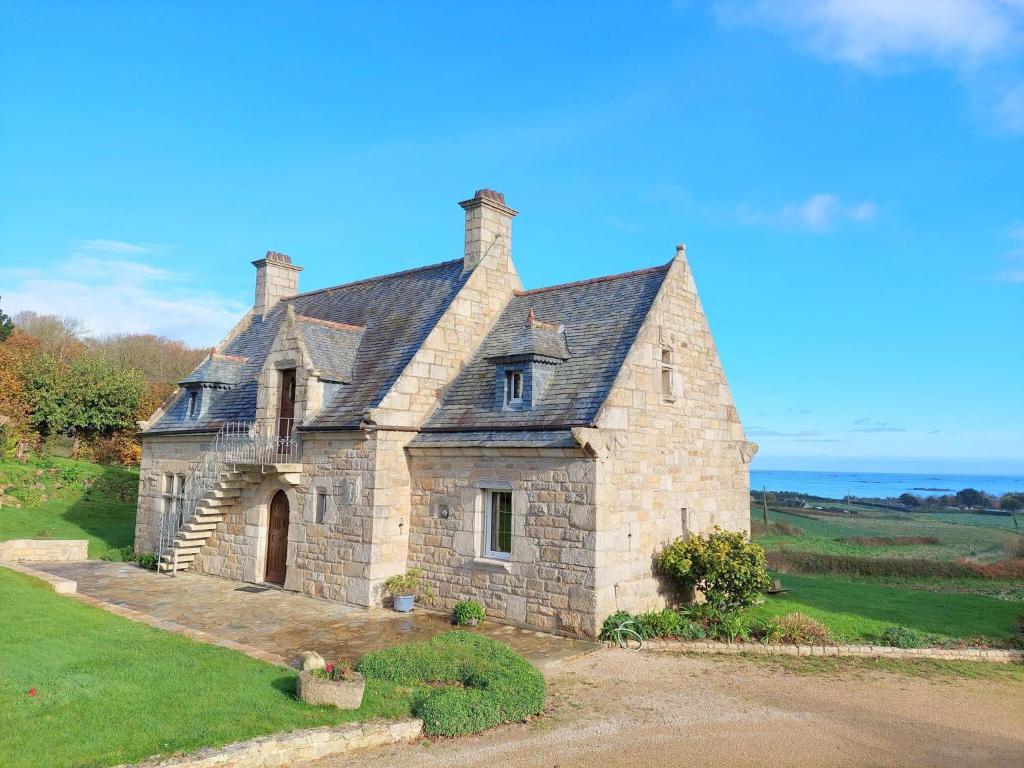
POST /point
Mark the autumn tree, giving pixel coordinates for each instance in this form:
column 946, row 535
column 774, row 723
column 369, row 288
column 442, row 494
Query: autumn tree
column 6, row 325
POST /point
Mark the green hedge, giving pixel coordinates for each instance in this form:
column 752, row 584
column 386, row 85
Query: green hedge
column 491, row 683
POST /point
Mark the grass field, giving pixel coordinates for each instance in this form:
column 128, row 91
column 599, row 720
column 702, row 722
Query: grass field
column 111, row 691
column 858, row 612
column 66, row 499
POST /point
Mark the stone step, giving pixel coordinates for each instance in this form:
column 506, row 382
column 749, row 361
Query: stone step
column 208, row 502
column 169, row 558
column 191, row 535
column 230, row 493
column 187, row 547
column 196, row 527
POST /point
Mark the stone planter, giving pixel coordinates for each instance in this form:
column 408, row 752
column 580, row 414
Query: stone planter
column 343, row 694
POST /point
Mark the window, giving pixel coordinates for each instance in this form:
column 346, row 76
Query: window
column 172, row 491
column 513, row 387
column 321, row 506
column 193, row 404
column 498, row 525
column 668, row 376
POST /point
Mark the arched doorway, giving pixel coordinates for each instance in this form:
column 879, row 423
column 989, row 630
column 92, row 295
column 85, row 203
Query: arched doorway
column 277, row 539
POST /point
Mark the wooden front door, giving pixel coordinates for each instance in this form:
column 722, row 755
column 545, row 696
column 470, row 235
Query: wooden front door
column 277, row 539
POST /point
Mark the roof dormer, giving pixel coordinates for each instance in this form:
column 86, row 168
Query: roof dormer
column 526, row 361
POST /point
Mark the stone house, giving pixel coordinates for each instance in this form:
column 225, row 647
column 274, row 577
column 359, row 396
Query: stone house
column 530, row 449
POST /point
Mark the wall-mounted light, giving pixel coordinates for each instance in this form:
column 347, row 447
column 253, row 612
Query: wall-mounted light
column 443, row 512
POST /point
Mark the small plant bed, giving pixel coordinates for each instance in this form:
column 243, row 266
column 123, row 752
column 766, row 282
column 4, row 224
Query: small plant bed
column 468, row 613
column 335, row 684
column 127, row 555
column 484, row 682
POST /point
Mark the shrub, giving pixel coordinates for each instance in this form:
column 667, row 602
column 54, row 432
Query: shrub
column 147, row 560
column 119, row 555
column 613, row 622
column 664, row 623
column 469, row 612
column 901, row 637
column 767, row 630
column 728, row 569
column 799, row 628
column 730, row 628
column 499, row 685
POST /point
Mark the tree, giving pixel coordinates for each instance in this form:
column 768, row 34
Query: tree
column 6, row 325
column 971, row 498
column 909, row 500
column 87, row 395
column 1012, row 503
column 60, row 337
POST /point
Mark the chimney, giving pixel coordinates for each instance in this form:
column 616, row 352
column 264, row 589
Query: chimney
column 276, row 278
column 488, row 227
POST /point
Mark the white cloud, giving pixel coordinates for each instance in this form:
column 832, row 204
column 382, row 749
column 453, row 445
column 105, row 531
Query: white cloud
column 869, row 33
column 819, row 213
column 111, row 292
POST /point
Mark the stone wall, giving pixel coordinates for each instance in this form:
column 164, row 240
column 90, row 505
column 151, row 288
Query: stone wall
column 161, row 454
column 44, row 550
column 548, row 580
column 677, row 461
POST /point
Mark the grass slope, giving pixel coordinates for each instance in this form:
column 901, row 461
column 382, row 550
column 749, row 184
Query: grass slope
column 859, row 612
column 66, row 499
column 111, row 691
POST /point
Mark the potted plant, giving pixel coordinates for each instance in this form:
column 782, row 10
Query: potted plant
column 404, row 588
column 468, row 613
column 335, row 684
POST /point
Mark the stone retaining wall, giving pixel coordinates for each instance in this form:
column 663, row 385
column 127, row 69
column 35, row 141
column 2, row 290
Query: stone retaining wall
column 871, row 651
column 44, row 550
column 59, row 585
column 298, row 746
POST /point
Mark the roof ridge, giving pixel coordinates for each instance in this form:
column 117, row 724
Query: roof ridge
column 589, row 281
column 372, row 279
column 330, row 323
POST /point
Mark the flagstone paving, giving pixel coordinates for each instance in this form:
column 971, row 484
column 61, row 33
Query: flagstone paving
column 285, row 623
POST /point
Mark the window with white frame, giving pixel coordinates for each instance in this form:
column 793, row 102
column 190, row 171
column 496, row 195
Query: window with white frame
column 513, row 387
column 498, row 524
column 172, row 490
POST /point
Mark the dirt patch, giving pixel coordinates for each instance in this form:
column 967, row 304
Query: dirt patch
column 620, row 709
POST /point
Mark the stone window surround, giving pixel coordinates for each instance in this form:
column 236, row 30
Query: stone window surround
column 257, row 518
column 669, row 379
column 172, row 488
column 489, row 497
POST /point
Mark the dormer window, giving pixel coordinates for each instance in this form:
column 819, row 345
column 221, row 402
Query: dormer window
column 513, row 387
column 193, row 404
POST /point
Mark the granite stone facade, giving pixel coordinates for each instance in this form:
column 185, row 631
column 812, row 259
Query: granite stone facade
column 405, row 432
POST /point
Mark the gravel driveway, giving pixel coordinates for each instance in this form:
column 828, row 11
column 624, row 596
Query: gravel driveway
column 616, row 708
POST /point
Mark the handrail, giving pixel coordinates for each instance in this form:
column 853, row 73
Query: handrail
column 260, row 442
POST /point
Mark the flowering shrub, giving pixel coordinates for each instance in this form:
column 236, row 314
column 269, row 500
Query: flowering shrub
column 729, row 570
column 335, row 670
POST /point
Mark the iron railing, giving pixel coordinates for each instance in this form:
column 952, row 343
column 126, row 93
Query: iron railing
column 260, row 442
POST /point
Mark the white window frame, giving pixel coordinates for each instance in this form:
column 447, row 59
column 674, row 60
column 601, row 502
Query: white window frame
column 511, row 377
column 172, row 487
column 488, row 515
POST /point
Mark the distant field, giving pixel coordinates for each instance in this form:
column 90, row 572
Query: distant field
column 984, row 538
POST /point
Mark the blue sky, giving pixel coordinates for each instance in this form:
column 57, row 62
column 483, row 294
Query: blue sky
column 848, row 176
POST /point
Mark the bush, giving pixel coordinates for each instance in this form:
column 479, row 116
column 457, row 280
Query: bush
column 499, row 685
column 767, row 630
column 801, row 629
column 119, row 555
column 613, row 622
column 468, row 612
column 901, row 637
column 728, row 569
column 730, row 628
column 147, row 560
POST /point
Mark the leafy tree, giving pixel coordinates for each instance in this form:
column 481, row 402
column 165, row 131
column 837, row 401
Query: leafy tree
column 971, row 498
column 729, row 570
column 87, row 395
column 60, row 337
column 6, row 325
column 910, row 500
column 1012, row 503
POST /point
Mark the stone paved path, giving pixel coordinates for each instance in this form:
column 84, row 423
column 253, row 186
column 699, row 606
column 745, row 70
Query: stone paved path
column 285, row 623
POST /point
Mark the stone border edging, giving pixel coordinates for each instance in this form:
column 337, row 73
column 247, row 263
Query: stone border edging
column 58, row 584
column 296, row 746
column 870, row 651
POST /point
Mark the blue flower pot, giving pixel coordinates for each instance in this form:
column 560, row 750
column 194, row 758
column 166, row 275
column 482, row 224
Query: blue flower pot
column 403, row 603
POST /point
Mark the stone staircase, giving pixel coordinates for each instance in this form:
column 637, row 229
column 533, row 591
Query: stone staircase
column 210, row 512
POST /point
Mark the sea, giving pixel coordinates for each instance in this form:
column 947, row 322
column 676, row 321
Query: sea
column 838, row 485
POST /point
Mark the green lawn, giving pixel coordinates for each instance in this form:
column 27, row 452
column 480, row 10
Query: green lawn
column 111, row 691
column 66, row 499
column 859, row 611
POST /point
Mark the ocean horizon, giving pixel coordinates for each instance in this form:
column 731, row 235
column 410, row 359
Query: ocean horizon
column 837, row 485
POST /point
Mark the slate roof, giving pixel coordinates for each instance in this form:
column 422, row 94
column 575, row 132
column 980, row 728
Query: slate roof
column 535, row 339
column 397, row 312
column 331, row 346
column 217, row 369
column 601, row 319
